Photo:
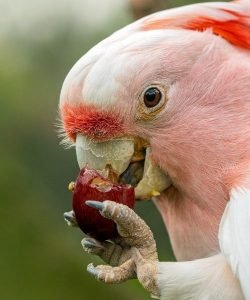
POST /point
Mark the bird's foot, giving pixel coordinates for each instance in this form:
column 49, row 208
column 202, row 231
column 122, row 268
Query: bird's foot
column 133, row 254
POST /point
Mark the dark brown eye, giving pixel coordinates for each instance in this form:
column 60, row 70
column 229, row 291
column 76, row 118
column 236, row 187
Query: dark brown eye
column 152, row 97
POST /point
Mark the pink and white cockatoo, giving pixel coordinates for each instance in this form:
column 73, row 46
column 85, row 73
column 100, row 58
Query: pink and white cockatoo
column 172, row 90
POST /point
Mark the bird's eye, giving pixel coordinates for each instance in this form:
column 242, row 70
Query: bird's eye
column 151, row 101
column 152, row 97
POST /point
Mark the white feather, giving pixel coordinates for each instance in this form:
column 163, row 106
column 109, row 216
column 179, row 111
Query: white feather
column 234, row 236
column 203, row 279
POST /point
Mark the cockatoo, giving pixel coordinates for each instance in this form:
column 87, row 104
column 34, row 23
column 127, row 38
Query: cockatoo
column 171, row 90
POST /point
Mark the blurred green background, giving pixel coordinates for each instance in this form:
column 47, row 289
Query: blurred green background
column 40, row 257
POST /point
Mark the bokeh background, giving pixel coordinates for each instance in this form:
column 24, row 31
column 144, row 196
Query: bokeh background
column 40, row 40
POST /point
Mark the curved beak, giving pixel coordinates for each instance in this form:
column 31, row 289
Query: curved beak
column 116, row 157
column 116, row 153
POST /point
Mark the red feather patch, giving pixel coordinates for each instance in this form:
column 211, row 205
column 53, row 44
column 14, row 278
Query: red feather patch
column 89, row 121
column 235, row 31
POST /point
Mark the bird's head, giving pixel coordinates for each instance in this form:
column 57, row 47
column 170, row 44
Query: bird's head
column 115, row 101
column 139, row 103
